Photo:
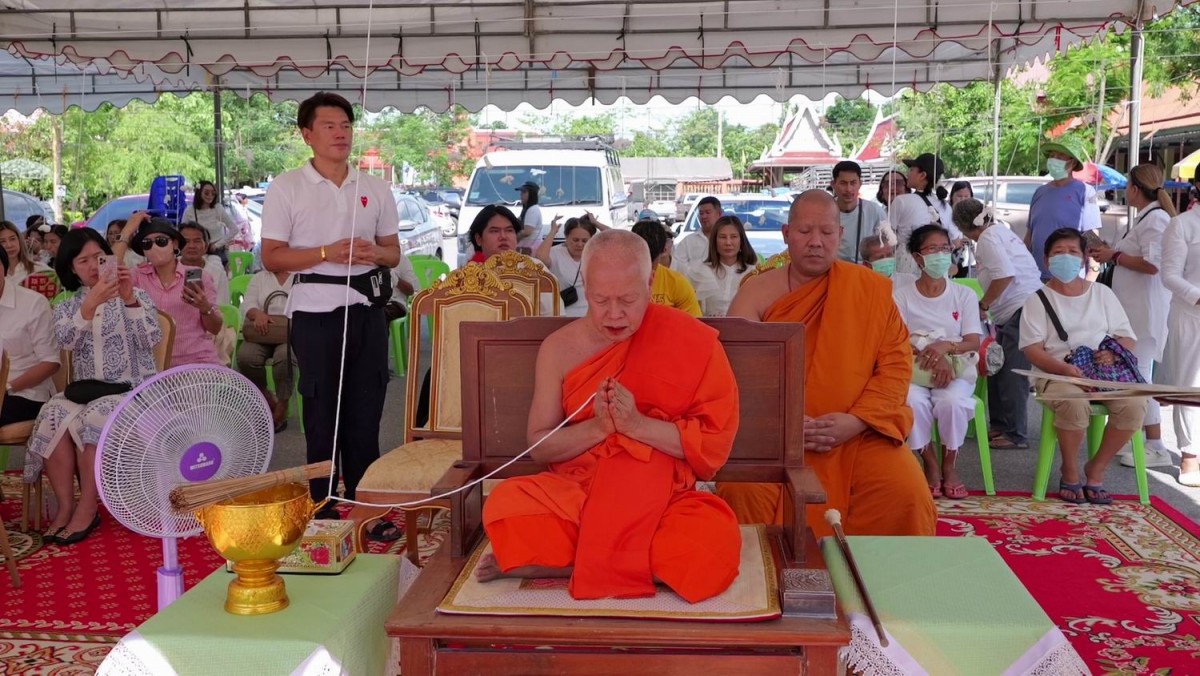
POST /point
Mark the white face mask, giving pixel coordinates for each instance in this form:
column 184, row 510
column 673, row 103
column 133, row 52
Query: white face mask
column 1057, row 168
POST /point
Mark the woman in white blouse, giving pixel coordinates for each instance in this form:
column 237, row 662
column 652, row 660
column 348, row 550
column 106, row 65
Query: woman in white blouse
column 207, row 210
column 1136, row 258
column 564, row 259
column 1087, row 313
column 267, row 295
column 27, row 339
column 943, row 319
column 730, row 257
column 20, row 263
column 1181, row 359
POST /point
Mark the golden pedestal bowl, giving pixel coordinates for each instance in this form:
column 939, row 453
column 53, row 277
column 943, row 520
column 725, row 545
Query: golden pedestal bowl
column 254, row 532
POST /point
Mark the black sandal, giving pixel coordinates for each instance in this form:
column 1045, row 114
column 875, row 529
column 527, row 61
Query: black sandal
column 1096, row 495
column 1074, row 490
column 384, row 531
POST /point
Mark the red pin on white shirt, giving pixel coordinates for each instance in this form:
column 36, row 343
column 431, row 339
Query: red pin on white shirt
column 363, row 199
column 955, row 313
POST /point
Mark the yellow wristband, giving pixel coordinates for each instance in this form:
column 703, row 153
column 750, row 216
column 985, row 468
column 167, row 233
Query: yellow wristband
column 322, row 253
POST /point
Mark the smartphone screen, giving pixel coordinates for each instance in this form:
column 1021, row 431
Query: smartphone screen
column 108, row 267
column 194, row 276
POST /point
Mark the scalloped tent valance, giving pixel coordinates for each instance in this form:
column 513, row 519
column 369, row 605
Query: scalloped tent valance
column 435, row 53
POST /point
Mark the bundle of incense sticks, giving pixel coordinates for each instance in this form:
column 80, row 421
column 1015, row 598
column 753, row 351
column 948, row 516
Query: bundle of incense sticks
column 190, row 497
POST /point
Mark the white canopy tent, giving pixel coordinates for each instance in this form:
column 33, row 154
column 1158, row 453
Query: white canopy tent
column 435, row 53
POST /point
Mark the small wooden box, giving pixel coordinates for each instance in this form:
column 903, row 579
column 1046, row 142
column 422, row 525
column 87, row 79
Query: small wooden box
column 326, row 548
column 808, row 592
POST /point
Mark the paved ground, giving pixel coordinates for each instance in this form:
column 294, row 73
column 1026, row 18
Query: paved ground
column 1013, row 470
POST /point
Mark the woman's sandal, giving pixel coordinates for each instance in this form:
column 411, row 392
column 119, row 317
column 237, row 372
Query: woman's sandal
column 1072, row 493
column 1003, row 443
column 384, row 531
column 1096, row 495
column 956, row 491
column 935, row 490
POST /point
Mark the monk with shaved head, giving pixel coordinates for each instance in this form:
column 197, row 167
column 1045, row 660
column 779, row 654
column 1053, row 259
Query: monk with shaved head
column 857, row 368
column 618, row 510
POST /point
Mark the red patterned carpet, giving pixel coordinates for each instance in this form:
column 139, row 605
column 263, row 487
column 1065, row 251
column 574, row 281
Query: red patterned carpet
column 76, row 602
column 1123, row 583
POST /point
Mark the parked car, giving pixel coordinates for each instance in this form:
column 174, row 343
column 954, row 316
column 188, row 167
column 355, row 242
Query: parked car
column 763, row 217
column 18, row 207
column 665, row 209
column 116, row 209
column 448, row 198
column 683, row 204
column 419, row 232
column 1015, row 193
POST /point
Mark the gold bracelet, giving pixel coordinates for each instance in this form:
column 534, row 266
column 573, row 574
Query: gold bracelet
column 322, row 254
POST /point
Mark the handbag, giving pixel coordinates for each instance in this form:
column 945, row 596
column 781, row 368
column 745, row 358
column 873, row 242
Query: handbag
column 277, row 326
column 962, row 364
column 570, row 295
column 1124, row 368
column 89, row 390
column 992, row 354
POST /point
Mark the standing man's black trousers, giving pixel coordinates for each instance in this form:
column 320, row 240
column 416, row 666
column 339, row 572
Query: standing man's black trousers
column 317, row 344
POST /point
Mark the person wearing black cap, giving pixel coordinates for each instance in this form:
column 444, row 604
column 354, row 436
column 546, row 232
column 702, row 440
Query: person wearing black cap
column 920, row 207
column 531, row 218
column 188, row 294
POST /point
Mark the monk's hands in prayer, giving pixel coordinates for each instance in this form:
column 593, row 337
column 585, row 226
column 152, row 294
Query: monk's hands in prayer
column 622, row 408
column 824, row 433
column 603, row 409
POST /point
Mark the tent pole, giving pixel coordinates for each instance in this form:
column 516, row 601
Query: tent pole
column 1137, row 47
column 999, row 82
column 218, row 141
column 1, row 194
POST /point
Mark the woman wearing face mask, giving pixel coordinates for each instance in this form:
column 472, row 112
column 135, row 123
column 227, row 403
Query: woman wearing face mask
column 946, row 316
column 564, row 259
column 1088, row 313
column 192, row 304
column 1064, row 202
column 1137, row 257
column 1009, row 276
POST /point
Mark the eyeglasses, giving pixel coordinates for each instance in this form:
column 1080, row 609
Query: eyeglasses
column 161, row 240
column 945, row 248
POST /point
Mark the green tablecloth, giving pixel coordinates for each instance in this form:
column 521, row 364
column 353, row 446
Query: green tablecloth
column 949, row 606
column 332, row 620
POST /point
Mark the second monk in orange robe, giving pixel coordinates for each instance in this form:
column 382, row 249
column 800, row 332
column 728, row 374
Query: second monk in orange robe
column 857, row 368
column 618, row 509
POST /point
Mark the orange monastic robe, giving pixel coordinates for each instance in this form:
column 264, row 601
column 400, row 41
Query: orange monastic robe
column 622, row 513
column 857, row 360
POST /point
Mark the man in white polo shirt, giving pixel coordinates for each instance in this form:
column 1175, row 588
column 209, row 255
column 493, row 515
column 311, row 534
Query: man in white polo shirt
column 335, row 227
column 694, row 247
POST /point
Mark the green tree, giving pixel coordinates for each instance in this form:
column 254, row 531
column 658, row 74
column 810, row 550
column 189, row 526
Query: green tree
column 653, row 143
column 850, row 120
column 424, row 141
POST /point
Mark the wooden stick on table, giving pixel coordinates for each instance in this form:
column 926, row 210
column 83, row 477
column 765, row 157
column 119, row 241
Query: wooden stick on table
column 834, row 519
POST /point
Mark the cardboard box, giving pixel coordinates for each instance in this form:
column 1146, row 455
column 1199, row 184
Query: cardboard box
column 326, row 549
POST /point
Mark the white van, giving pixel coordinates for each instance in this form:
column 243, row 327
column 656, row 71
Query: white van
column 572, row 183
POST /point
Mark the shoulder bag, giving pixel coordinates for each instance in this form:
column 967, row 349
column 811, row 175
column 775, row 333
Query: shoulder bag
column 277, row 325
column 1124, row 368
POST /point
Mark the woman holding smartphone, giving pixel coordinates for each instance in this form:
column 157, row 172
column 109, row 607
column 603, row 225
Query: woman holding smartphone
column 118, row 357
column 187, row 294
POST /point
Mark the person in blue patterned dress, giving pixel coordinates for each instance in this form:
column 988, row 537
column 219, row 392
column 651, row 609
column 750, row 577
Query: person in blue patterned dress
column 110, row 328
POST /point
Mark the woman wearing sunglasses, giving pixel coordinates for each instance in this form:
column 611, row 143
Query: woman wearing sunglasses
column 188, row 294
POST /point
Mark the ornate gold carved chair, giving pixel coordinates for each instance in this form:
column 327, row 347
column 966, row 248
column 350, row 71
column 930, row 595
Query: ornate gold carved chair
column 529, row 278
column 777, row 261
column 469, row 294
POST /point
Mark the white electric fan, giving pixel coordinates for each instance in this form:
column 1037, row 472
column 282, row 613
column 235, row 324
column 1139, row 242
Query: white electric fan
column 190, row 423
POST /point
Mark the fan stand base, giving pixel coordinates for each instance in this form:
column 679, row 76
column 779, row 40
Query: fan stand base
column 256, row 590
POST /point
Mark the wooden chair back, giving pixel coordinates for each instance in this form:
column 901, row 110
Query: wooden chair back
column 767, row 359
column 469, row 294
column 529, row 278
column 162, row 351
column 777, row 261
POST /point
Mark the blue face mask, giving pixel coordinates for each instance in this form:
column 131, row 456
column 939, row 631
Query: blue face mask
column 884, row 266
column 936, row 264
column 1065, row 267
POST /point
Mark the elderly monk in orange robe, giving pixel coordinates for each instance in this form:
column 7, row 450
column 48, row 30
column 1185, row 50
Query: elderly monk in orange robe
column 618, row 510
column 857, row 368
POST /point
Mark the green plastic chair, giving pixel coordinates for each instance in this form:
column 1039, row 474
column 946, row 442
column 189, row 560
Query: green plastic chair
column 237, row 288
column 63, row 295
column 1095, row 433
column 981, row 390
column 240, row 262
column 428, row 269
column 979, row 427
column 398, row 334
column 971, row 283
